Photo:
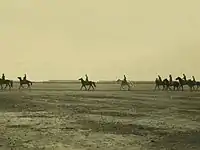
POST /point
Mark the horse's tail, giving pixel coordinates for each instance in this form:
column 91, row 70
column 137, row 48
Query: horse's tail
column 94, row 84
column 31, row 83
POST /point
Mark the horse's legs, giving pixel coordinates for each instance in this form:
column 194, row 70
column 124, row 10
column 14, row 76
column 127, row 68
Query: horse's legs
column 121, row 87
column 20, row 86
column 155, row 87
column 92, row 87
column 182, row 87
column 163, row 87
column 81, row 87
column 9, row 87
column 5, row 86
column 129, row 87
column 197, row 87
column 28, row 85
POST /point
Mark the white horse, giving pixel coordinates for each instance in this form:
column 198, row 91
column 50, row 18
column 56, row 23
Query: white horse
column 123, row 83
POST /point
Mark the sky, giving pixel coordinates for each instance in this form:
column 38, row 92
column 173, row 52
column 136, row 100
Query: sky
column 65, row 39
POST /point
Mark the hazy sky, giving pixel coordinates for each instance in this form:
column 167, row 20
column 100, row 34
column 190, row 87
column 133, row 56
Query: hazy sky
column 65, row 39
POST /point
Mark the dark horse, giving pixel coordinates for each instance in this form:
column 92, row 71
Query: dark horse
column 197, row 83
column 189, row 82
column 85, row 83
column 22, row 82
column 167, row 84
column 158, row 84
column 8, row 83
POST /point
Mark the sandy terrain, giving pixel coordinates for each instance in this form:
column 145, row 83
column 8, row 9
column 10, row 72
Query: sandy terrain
column 59, row 117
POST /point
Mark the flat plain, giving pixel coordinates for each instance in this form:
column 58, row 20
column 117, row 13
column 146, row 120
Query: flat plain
column 60, row 116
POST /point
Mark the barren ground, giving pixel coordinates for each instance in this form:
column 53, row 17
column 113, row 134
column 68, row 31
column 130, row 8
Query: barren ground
column 59, row 117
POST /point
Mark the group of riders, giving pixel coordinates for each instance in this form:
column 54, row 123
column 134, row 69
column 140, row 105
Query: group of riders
column 182, row 81
column 4, row 78
column 87, row 80
column 9, row 83
column 93, row 85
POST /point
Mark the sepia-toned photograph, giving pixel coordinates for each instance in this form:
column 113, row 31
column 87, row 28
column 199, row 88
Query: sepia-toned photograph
column 99, row 75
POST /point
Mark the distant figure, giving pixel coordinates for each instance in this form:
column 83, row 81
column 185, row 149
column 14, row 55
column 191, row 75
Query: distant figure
column 184, row 77
column 125, row 79
column 170, row 79
column 3, row 76
column 86, row 78
column 24, row 77
column 159, row 78
column 194, row 80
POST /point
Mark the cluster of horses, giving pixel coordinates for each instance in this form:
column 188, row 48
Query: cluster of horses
column 166, row 84
column 178, row 84
column 87, row 85
column 9, row 83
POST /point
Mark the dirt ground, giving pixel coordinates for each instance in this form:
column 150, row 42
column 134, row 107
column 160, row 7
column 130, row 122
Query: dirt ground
column 59, row 117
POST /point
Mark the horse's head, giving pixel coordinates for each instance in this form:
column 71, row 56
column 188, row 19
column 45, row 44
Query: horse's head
column 179, row 78
column 81, row 79
column 118, row 80
column 165, row 80
column 19, row 78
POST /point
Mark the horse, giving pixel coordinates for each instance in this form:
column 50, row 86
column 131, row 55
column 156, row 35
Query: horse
column 85, row 83
column 158, row 83
column 26, row 82
column 125, row 83
column 8, row 83
column 167, row 84
column 189, row 82
column 197, row 83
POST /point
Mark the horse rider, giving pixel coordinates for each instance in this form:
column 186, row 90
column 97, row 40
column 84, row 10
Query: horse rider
column 184, row 77
column 3, row 76
column 24, row 77
column 170, row 79
column 125, row 79
column 194, row 80
column 159, row 78
column 86, row 78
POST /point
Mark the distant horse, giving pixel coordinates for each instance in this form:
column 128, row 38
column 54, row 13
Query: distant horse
column 167, row 85
column 26, row 82
column 189, row 82
column 87, row 83
column 158, row 84
column 197, row 83
column 125, row 83
column 8, row 83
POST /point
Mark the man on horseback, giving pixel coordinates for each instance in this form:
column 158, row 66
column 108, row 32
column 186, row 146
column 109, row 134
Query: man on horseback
column 194, row 80
column 3, row 77
column 159, row 78
column 24, row 77
column 184, row 77
column 170, row 79
column 86, row 78
column 125, row 79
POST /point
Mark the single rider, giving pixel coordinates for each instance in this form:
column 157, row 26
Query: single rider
column 24, row 77
column 194, row 80
column 184, row 77
column 125, row 79
column 86, row 78
column 170, row 79
column 159, row 78
column 3, row 76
